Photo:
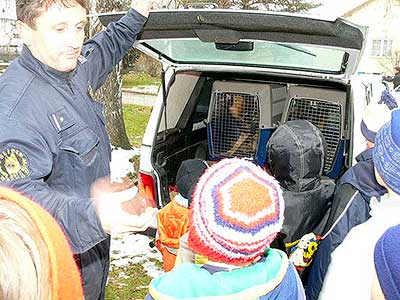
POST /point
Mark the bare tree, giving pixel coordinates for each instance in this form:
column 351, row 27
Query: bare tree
column 389, row 20
column 110, row 93
column 291, row 5
column 388, row 63
column 274, row 5
column 396, row 58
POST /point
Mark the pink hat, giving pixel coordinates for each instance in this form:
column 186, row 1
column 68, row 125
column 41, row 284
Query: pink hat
column 236, row 212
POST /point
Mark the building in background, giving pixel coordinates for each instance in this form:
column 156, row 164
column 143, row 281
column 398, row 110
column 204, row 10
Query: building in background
column 382, row 17
column 9, row 40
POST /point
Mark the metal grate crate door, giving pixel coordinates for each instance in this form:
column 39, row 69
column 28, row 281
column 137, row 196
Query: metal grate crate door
column 234, row 124
column 326, row 116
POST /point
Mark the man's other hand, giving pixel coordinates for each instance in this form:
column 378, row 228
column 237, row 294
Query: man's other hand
column 122, row 211
column 142, row 6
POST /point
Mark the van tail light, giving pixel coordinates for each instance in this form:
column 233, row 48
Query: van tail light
column 147, row 190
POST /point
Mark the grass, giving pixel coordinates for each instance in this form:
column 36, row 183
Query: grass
column 138, row 78
column 135, row 118
column 127, row 283
column 131, row 282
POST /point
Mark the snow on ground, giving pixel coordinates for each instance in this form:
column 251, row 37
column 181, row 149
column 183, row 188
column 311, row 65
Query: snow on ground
column 134, row 248
column 130, row 247
column 120, row 165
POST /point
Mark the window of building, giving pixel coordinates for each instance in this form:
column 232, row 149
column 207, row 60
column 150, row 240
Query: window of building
column 381, row 48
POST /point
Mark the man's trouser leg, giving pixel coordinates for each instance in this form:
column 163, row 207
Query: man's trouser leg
column 94, row 265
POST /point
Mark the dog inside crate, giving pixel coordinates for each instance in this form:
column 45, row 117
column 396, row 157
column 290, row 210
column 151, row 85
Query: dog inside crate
column 234, row 123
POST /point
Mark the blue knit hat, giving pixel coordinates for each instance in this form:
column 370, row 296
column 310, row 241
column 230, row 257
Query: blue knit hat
column 388, row 99
column 387, row 152
column 387, row 263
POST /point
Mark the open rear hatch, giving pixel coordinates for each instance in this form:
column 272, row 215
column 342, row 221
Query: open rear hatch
column 275, row 42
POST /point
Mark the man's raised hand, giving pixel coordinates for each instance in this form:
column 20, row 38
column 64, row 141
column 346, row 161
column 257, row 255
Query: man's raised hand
column 142, row 6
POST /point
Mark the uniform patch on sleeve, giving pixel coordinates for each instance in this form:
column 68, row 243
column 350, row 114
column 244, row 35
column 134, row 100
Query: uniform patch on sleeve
column 13, row 165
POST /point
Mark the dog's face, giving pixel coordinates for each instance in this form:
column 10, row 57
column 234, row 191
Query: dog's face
column 237, row 106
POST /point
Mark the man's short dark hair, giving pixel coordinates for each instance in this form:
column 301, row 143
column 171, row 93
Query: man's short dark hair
column 397, row 68
column 29, row 10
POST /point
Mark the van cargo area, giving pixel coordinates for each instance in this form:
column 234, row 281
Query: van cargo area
column 197, row 121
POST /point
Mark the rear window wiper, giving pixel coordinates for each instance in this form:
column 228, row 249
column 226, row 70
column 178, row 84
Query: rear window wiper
column 298, row 49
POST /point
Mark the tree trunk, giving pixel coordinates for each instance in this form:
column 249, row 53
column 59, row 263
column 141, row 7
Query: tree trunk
column 110, row 93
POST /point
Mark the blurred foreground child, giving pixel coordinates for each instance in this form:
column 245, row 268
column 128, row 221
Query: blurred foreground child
column 36, row 262
column 386, row 284
column 350, row 274
column 351, row 203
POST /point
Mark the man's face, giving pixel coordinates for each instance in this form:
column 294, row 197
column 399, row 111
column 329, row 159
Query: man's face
column 58, row 36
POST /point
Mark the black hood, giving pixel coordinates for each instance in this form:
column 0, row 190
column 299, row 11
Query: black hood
column 296, row 155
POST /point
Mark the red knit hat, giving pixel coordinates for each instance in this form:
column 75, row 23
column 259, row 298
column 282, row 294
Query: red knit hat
column 236, row 212
column 65, row 278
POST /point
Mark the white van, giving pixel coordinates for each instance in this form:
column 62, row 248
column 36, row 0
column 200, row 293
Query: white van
column 280, row 66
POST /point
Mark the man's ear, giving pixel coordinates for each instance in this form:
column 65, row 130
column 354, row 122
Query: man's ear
column 25, row 32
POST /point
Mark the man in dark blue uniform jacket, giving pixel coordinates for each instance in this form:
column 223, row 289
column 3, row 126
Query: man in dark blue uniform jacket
column 53, row 140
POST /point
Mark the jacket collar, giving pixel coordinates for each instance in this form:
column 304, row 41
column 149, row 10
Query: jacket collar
column 361, row 176
column 367, row 154
column 37, row 67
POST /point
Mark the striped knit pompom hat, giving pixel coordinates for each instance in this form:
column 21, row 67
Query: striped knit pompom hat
column 236, row 212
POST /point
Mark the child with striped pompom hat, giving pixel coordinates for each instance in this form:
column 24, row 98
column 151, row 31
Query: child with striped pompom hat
column 236, row 212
